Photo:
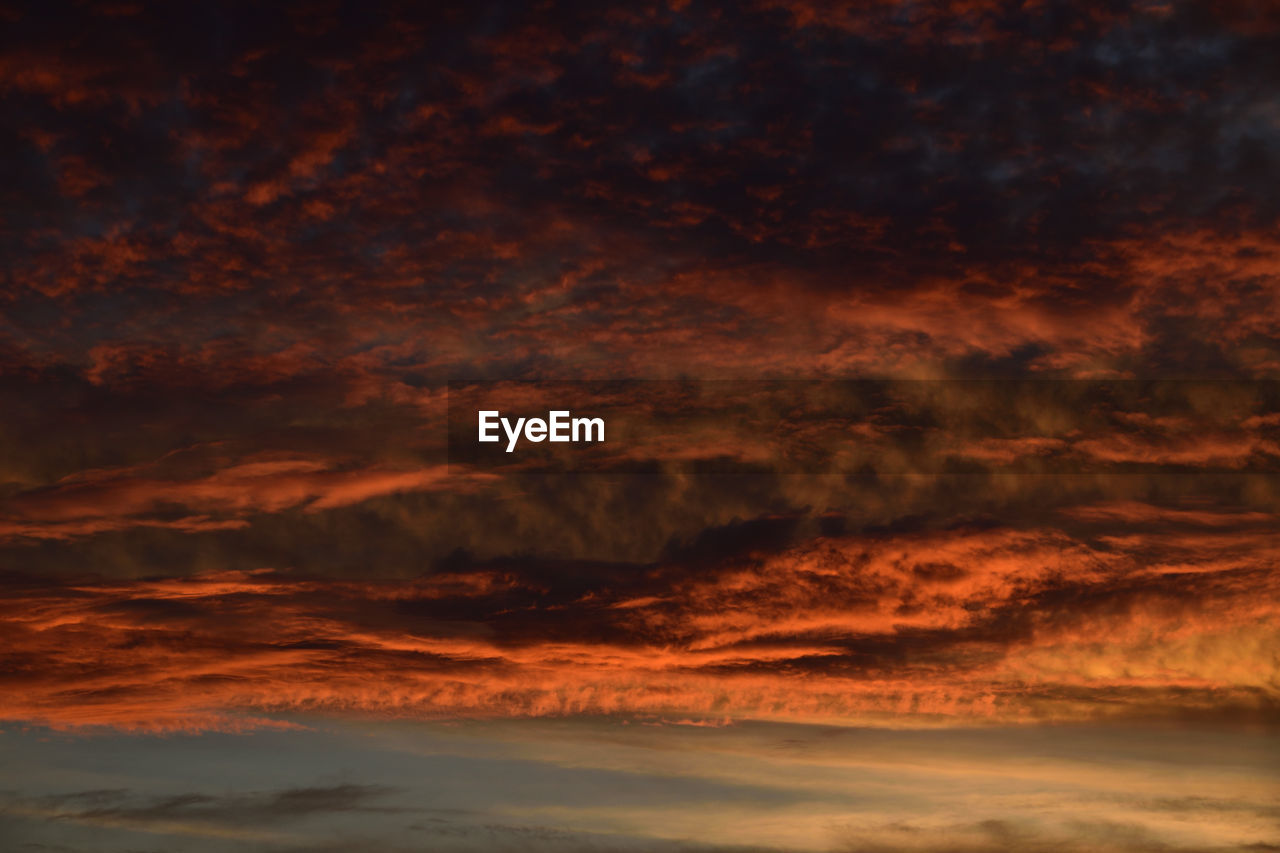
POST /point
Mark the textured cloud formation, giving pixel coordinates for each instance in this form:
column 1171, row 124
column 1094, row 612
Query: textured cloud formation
column 386, row 200
column 962, row 624
column 250, row 251
column 246, row 250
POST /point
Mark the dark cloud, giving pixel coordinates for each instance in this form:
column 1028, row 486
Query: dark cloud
column 119, row 807
column 371, row 194
column 247, row 247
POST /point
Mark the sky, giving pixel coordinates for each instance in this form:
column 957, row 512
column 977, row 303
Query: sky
column 939, row 342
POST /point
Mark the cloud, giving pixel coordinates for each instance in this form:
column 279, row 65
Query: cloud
column 986, row 624
column 996, row 836
column 333, row 207
column 240, row 275
column 256, row 807
column 103, row 500
column 250, row 817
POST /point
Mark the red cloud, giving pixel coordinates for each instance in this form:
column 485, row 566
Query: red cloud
column 999, row 625
column 115, row 500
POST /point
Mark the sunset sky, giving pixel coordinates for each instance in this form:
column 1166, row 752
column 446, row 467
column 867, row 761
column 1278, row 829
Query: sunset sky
column 940, row 344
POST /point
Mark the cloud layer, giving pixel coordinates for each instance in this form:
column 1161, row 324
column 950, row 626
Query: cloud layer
column 245, row 252
column 972, row 623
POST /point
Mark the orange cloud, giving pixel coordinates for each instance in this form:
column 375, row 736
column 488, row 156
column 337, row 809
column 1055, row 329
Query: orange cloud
column 973, row 626
column 101, row 500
